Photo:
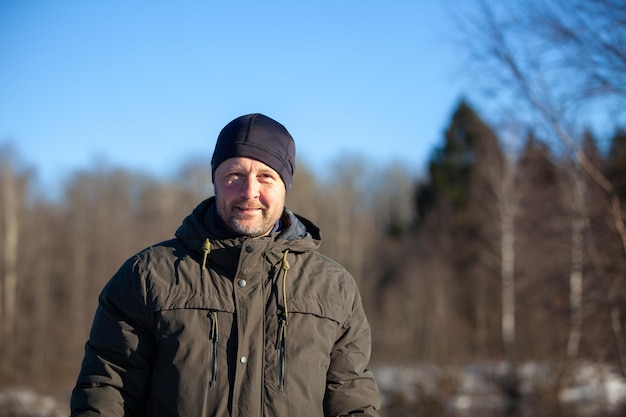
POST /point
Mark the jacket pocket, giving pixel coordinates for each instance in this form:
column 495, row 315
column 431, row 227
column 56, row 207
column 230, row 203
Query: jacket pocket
column 191, row 340
column 301, row 347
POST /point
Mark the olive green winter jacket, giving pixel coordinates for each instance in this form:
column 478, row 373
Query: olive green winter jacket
column 210, row 325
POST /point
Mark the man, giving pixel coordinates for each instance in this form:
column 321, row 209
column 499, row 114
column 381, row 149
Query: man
column 239, row 315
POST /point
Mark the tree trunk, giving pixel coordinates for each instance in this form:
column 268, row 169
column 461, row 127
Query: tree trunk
column 10, row 243
column 576, row 271
column 507, row 219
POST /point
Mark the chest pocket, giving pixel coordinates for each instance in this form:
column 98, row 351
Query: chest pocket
column 185, row 324
column 302, row 349
column 314, row 322
column 191, row 335
column 328, row 308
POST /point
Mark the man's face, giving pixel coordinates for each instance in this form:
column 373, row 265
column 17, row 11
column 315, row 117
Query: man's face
column 250, row 196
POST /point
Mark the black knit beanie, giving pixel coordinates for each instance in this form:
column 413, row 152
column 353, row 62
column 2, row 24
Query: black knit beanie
column 258, row 137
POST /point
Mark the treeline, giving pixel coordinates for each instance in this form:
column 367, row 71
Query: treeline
column 490, row 256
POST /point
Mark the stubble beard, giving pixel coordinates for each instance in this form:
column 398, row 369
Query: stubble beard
column 241, row 224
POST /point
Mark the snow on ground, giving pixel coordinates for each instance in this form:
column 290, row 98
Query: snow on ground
column 586, row 388
column 24, row 402
column 589, row 389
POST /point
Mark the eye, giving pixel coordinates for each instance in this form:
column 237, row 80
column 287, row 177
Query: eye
column 267, row 177
column 232, row 176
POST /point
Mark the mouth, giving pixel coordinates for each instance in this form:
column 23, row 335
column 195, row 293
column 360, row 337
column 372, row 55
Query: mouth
column 248, row 209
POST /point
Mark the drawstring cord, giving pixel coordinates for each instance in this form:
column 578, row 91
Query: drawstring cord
column 285, row 267
column 206, row 249
column 284, row 321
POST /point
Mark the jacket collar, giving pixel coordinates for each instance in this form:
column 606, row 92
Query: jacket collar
column 296, row 232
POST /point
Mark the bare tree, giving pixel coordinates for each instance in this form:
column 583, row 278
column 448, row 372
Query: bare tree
column 503, row 182
column 497, row 172
column 13, row 190
column 579, row 221
column 563, row 59
column 10, row 227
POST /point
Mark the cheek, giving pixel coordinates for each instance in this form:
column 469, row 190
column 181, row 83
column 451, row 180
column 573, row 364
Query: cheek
column 274, row 196
column 222, row 202
column 224, row 192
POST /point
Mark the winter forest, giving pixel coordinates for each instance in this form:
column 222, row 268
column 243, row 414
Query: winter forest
column 508, row 253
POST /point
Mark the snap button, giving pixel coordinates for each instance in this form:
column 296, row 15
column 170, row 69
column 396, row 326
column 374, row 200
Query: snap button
column 242, row 283
column 249, row 248
column 244, row 359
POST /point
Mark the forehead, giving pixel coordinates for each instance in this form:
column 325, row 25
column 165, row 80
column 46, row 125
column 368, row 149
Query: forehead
column 246, row 164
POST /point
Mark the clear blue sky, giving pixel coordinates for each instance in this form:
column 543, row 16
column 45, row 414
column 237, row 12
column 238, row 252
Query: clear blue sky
column 148, row 84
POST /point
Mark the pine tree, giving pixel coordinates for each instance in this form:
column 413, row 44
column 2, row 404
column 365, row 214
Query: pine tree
column 458, row 212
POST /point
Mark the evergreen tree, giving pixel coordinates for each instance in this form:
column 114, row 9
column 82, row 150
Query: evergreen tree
column 616, row 163
column 458, row 213
column 543, row 256
column 468, row 143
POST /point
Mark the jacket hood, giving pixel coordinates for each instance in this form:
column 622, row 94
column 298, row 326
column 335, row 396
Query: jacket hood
column 297, row 233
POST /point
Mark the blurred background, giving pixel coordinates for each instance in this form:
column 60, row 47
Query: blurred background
column 465, row 160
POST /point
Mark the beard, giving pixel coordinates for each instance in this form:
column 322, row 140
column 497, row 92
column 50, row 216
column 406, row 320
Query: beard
column 256, row 224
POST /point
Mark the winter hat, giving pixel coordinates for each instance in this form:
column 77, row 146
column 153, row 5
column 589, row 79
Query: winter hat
column 258, row 137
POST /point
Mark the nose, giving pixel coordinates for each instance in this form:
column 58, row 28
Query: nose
column 250, row 187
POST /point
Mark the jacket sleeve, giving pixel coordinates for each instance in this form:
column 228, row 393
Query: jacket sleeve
column 115, row 371
column 351, row 388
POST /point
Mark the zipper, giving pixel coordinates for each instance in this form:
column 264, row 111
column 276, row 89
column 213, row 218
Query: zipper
column 282, row 360
column 282, row 326
column 214, row 336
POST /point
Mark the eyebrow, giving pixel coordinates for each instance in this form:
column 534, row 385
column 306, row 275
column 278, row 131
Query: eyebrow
column 242, row 169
